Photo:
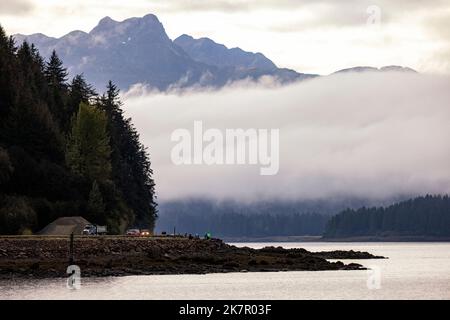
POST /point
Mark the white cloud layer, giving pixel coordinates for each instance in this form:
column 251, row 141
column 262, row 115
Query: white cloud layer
column 363, row 135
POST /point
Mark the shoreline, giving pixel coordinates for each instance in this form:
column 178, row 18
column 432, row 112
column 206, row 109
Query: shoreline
column 102, row 256
column 306, row 239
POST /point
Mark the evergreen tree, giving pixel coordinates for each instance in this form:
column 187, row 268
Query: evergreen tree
column 33, row 66
column 55, row 72
column 422, row 216
column 130, row 160
column 8, row 79
column 79, row 92
column 95, row 205
column 55, row 148
column 30, row 122
column 88, row 151
column 16, row 215
column 6, row 167
column 56, row 76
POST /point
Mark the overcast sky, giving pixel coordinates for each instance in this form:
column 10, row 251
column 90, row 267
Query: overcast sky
column 314, row 36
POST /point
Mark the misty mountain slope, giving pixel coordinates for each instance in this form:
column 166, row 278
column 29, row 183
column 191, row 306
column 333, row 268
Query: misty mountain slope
column 207, row 51
column 373, row 69
column 138, row 50
column 235, row 62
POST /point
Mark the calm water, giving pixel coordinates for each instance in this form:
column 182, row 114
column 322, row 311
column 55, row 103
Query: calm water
column 413, row 271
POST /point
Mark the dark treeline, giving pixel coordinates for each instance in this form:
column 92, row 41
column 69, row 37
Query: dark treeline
column 422, row 216
column 262, row 218
column 231, row 219
column 240, row 225
column 66, row 150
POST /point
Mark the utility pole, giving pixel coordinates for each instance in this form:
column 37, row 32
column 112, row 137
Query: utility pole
column 71, row 259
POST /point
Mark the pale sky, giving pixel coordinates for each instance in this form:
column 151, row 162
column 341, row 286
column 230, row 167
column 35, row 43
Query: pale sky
column 312, row 36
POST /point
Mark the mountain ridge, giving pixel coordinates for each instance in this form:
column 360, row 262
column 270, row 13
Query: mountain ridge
column 390, row 68
column 138, row 50
column 210, row 52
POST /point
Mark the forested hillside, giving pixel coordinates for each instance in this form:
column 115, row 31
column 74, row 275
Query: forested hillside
column 262, row 218
column 422, row 216
column 65, row 150
column 234, row 219
column 235, row 224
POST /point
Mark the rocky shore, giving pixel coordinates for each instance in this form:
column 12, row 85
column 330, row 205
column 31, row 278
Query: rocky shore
column 48, row 257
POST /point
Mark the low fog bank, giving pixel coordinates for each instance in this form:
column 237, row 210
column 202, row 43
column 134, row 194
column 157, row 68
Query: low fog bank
column 365, row 135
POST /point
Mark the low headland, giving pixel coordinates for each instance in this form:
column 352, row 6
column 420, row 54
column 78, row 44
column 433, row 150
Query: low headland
column 97, row 256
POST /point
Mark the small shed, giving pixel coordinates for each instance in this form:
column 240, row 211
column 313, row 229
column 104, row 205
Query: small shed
column 65, row 226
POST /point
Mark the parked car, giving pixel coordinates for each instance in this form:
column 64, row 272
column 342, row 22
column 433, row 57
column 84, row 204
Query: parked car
column 145, row 233
column 133, row 232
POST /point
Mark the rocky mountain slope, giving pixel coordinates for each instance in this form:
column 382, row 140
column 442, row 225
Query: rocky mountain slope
column 138, row 50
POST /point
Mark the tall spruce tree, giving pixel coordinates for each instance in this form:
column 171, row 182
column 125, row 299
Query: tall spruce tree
column 130, row 160
column 79, row 92
column 55, row 72
column 56, row 76
column 96, row 205
column 8, row 79
column 88, row 151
